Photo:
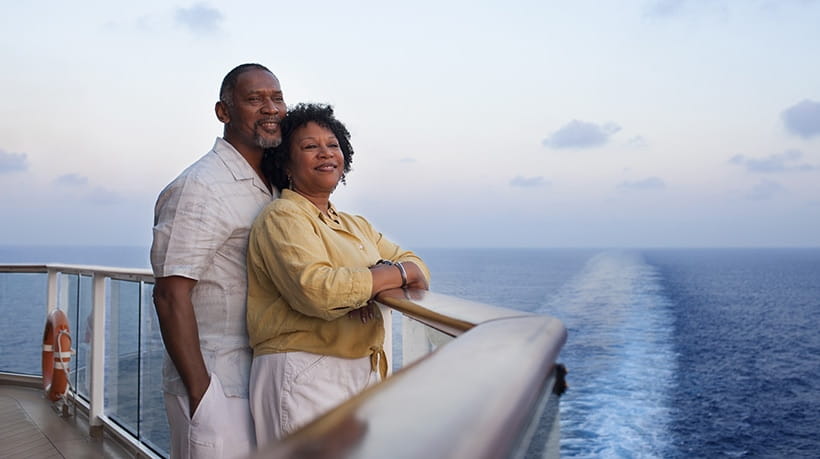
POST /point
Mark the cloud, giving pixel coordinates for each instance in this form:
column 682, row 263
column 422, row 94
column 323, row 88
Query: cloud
column 77, row 187
column 766, row 189
column 637, row 142
column 12, row 162
column 200, row 18
column 581, row 134
column 103, row 196
column 71, row 180
column 664, row 7
column 803, row 118
column 677, row 8
column 649, row 183
column 407, row 160
column 528, row 182
column 783, row 162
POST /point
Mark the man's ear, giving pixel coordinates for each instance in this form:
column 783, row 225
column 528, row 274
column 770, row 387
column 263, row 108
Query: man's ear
column 222, row 113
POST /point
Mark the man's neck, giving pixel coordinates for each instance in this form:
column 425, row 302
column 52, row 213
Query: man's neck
column 253, row 155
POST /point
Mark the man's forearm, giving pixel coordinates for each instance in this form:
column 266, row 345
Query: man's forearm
column 181, row 337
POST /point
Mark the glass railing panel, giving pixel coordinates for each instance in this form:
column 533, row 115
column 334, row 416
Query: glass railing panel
column 23, row 308
column 82, row 337
column 417, row 340
column 68, row 290
column 122, row 353
column 154, row 424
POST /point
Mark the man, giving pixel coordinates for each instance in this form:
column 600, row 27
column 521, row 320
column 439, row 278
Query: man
column 201, row 225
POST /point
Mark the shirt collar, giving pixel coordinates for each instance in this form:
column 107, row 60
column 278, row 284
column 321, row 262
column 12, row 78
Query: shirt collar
column 308, row 206
column 237, row 164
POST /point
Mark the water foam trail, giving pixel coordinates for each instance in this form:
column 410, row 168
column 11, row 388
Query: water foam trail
column 620, row 359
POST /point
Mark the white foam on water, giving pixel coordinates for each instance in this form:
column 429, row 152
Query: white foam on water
column 620, row 359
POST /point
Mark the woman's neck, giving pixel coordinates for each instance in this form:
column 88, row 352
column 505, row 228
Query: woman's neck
column 322, row 202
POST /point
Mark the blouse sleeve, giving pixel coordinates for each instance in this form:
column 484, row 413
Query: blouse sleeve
column 285, row 244
column 389, row 250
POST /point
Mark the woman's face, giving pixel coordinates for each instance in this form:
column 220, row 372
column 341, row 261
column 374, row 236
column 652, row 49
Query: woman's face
column 316, row 160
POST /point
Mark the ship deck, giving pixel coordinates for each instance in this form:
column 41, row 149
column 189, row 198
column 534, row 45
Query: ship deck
column 31, row 427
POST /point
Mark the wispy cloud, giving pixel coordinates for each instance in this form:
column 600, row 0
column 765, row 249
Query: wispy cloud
column 803, row 118
column 783, row 162
column 581, row 134
column 199, row 18
column 12, row 162
column 71, row 180
column 665, row 7
column 407, row 160
column 649, row 183
column 766, row 189
column 78, row 187
column 637, row 142
column 674, row 8
column 105, row 197
column 528, row 182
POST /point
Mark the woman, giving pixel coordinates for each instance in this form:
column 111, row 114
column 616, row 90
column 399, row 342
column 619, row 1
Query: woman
column 311, row 272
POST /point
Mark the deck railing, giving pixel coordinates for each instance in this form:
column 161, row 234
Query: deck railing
column 475, row 380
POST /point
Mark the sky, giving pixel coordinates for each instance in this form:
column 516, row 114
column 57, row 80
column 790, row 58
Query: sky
column 635, row 123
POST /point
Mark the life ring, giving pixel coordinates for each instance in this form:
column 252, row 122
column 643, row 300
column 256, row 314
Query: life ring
column 56, row 355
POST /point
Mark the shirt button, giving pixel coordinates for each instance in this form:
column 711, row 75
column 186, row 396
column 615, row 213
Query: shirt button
column 361, row 247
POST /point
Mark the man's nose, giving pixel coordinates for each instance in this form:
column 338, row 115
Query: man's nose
column 270, row 106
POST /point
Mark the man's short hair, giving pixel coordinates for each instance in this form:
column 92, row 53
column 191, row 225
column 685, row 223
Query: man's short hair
column 229, row 82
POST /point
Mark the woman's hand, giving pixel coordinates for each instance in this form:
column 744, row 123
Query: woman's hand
column 389, row 275
column 364, row 313
column 415, row 276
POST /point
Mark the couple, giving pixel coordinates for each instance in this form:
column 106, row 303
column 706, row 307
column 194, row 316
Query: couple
column 305, row 271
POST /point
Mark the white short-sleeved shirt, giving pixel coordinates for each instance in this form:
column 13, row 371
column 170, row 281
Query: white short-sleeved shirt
column 201, row 224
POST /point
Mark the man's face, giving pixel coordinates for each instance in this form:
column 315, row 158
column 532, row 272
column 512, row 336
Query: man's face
column 252, row 120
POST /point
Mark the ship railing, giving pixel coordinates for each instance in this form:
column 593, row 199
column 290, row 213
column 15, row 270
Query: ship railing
column 469, row 380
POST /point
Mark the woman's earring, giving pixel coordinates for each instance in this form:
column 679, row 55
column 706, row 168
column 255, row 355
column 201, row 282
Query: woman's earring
column 290, row 183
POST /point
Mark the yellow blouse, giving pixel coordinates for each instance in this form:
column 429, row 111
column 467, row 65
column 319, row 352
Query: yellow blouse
column 306, row 272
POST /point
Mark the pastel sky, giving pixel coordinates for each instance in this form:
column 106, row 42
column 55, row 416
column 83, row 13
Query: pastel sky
column 641, row 123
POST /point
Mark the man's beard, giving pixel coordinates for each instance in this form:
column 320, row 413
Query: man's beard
column 264, row 142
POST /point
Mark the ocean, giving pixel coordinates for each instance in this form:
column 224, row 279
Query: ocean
column 671, row 352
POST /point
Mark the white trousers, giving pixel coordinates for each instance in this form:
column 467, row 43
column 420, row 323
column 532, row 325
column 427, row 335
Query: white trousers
column 290, row 389
column 221, row 427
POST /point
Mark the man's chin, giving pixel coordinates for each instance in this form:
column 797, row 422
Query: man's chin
column 265, row 142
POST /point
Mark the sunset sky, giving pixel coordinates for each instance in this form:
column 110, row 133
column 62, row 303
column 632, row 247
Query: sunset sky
column 644, row 123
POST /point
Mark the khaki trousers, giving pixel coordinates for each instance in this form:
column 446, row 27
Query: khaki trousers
column 290, row 389
column 221, row 427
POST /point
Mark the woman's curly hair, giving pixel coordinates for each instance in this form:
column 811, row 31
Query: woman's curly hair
column 276, row 160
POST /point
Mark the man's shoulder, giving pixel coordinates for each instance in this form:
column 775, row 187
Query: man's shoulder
column 207, row 172
column 206, row 169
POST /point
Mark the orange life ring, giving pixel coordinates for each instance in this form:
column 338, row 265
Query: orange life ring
column 56, row 355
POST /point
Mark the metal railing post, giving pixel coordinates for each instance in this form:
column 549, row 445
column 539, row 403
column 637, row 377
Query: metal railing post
column 97, row 404
column 51, row 290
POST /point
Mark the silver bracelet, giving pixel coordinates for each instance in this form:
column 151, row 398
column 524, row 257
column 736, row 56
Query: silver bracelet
column 403, row 274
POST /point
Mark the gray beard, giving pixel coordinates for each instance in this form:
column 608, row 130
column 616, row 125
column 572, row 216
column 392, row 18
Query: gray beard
column 266, row 143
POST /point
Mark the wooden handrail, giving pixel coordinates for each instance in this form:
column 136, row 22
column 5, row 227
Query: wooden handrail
column 445, row 313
